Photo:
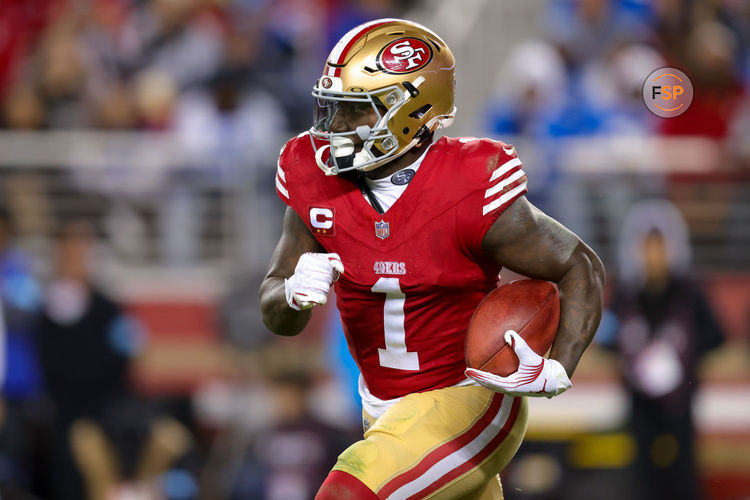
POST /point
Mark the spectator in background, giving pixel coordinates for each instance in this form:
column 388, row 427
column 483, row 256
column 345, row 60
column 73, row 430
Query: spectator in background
column 24, row 20
column 291, row 458
column 614, row 89
column 22, row 109
column 22, row 413
column 179, row 38
column 662, row 327
column 155, row 96
column 135, row 451
column 62, row 77
column 232, row 131
column 710, row 62
column 85, row 343
column 585, row 30
column 529, row 90
column 738, row 145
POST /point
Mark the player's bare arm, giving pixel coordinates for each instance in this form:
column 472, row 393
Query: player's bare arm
column 527, row 241
column 295, row 240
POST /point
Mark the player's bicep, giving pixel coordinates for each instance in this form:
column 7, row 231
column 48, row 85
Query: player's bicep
column 295, row 240
column 529, row 242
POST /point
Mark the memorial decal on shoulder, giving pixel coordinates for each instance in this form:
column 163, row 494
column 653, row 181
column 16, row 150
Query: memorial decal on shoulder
column 403, row 177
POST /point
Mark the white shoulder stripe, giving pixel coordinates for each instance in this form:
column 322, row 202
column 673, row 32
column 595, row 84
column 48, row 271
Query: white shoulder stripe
column 505, row 167
column 458, row 457
column 281, row 188
column 503, row 199
column 505, row 182
column 281, row 173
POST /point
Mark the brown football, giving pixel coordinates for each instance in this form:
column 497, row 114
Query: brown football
column 530, row 307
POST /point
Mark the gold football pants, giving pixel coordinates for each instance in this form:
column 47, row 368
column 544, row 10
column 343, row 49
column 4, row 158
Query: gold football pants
column 443, row 444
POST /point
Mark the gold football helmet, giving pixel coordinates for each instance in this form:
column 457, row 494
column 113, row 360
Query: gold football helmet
column 404, row 71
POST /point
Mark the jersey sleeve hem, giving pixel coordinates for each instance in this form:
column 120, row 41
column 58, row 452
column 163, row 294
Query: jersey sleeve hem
column 492, row 195
column 281, row 189
column 507, row 183
column 498, row 207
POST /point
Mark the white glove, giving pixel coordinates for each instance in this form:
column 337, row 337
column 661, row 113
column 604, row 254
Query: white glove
column 536, row 376
column 312, row 279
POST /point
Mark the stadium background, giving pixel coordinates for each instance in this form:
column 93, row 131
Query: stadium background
column 156, row 124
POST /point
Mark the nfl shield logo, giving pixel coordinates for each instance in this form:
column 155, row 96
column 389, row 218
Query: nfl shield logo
column 382, row 229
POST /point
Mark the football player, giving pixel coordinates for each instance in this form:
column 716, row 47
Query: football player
column 412, row 233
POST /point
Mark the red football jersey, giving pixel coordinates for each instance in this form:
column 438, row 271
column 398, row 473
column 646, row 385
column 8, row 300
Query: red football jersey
column 414, row 275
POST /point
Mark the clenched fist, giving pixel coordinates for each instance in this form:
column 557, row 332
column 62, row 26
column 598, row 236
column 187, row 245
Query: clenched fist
column 312, row 279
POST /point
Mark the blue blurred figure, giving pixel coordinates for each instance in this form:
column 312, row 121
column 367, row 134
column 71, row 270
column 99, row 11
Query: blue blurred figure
column 23, row 416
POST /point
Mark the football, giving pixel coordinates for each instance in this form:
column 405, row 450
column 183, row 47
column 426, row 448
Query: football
column 530, row 307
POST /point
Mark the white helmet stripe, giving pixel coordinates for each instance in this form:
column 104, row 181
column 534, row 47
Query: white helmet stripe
column 338, row 54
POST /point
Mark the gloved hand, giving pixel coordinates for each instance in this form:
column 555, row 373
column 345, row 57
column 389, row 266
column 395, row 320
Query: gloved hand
column 536, row 376
column 312, row 279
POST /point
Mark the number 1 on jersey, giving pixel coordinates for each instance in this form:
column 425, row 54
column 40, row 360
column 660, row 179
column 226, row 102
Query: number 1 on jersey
column 395, row 354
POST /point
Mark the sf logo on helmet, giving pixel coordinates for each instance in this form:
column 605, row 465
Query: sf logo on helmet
column 404, row 55
column 405, row 52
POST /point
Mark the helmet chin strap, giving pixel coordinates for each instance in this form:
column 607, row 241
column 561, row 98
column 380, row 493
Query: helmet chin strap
column 319, row 160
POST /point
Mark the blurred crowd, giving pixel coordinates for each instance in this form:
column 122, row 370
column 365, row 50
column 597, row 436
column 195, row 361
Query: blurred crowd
column 192, row 64
column 167, row 64
column 575, row 95
column 231, row 79
column 585, row 77
column 225, row 81
column 74, row 425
